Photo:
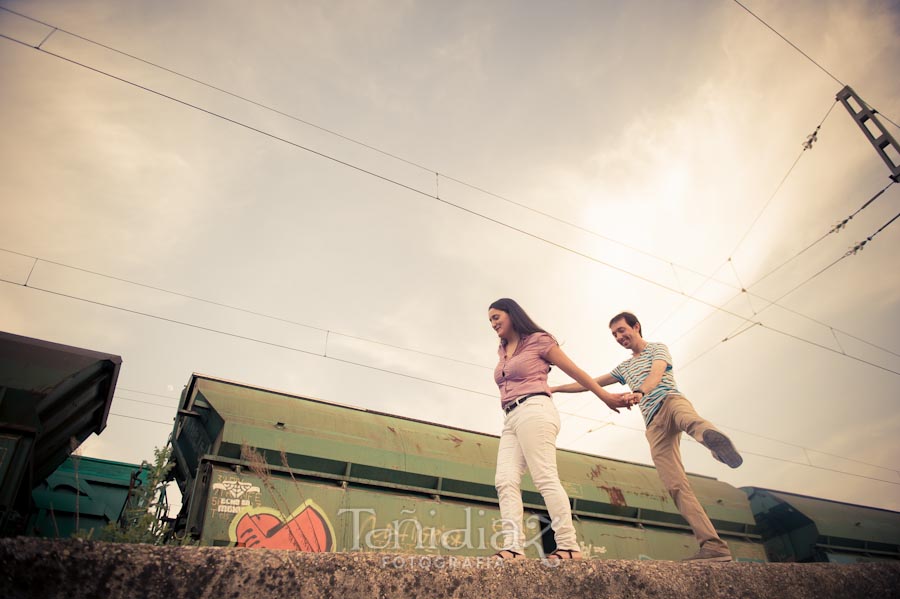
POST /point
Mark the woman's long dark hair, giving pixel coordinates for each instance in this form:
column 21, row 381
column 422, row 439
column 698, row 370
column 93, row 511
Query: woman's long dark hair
column 521, row 322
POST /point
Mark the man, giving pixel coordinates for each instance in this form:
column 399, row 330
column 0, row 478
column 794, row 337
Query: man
column 667, row 413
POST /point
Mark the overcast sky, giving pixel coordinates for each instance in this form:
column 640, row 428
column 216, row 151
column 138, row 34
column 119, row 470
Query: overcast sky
column 581, row 157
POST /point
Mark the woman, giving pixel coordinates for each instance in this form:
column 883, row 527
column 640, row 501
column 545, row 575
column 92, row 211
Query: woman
column 531, row 425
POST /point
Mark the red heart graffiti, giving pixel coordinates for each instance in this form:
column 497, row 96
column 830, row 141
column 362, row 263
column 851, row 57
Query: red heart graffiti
column 307, row 531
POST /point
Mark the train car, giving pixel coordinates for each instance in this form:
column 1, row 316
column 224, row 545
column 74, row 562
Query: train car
column 53, row 397
column 797, row 528
column 260, row 468
column 82, row 495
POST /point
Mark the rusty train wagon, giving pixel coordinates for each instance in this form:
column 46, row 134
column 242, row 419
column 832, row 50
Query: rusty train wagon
column 259, row 468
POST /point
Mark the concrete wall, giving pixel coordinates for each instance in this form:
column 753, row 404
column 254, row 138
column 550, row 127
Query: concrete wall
column 72, row 569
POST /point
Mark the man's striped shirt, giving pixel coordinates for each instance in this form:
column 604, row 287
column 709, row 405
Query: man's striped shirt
column 634, row 370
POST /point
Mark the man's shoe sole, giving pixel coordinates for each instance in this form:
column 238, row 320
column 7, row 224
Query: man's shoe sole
column 722, row 449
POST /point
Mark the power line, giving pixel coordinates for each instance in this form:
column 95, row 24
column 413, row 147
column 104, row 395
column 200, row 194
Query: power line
column 145, row 402
column 141, row 419
column 392, row 181
column 239, row 309
column 853, row 251
column 258, row 104
column 790, row 43
column 806, row 146
column 841, row 225
column 215, row 88
column 805, row 55
column 246, row 338
column 376, row 175
column 331, row 132
column 145, row 392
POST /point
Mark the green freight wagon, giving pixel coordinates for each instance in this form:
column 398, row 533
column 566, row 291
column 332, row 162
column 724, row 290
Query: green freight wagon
column 259, row 468
column 83, row 494
column 52, row 397
column 797, row 528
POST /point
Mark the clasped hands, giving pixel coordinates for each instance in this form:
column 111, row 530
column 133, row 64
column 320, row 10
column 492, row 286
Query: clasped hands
column 624, row 400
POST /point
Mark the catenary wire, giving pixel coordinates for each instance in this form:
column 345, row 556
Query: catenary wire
column 780, row 184
column 859, row 246
column 143, row 401
column 146, row 393
column 245, row 338
column 376, row 175
column 805, row 55
column 438, row 174
column 238, row 308
column 141, row 419
column 834, row 229
column 329, row 131
column 770, row 302
column 424, row 193
column 789, row 42
column 729, row 260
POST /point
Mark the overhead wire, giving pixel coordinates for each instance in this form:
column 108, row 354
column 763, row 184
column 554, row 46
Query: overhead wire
column 244, row 337
column 146, row 393
column 337, row 134
column 141, row 419
column 385, row 179
column 374, row 174
column 235, row 308
column 806, row 146
column 363, row 144
column 851, row 252
column 807, row 56
column 840, row 226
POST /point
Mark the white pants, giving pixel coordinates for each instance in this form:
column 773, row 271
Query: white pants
column 528, row 441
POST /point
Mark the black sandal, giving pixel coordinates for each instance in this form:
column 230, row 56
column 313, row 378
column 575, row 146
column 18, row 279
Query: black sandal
column 562, row 554
column 506, row 554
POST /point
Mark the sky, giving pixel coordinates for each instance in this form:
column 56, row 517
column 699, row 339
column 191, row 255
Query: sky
column 323, row 198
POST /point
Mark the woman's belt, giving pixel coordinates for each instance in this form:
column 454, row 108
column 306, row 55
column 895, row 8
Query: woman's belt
column 520, row 400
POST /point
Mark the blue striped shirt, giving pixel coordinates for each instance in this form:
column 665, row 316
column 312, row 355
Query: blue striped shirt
column 634, row 371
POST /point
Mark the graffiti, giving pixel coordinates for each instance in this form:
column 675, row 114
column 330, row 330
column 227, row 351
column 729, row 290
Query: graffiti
column 231, row 495
column 307, row 529
column 409, row 534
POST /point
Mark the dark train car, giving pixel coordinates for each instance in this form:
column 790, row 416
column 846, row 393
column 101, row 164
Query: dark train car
column 260, row 468
column 52, row 397
column 797, row 528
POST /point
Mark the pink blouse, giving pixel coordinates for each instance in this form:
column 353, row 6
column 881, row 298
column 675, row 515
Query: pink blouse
column 526, row 370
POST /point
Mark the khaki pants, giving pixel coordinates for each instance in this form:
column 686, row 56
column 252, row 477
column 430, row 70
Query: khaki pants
column 664, row 435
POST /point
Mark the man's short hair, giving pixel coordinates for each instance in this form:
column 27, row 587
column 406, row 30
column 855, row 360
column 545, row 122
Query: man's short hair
column 629, row 318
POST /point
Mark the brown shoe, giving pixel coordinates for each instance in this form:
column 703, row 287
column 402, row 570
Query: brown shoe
column 722, row 448
column 710, row 554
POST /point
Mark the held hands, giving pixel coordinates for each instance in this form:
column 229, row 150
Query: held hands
column 623, row 400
